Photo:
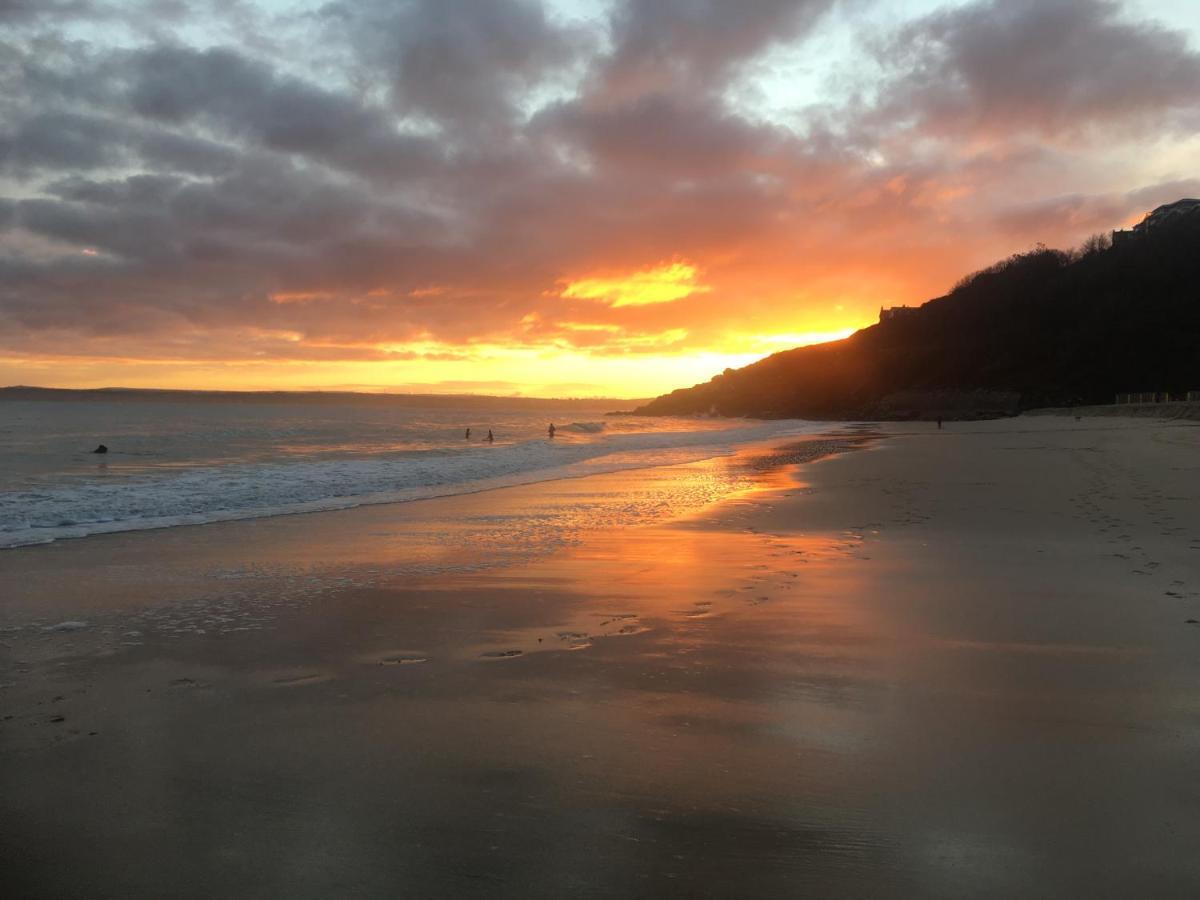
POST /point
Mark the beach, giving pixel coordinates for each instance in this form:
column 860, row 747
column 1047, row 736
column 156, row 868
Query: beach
column 890, row 660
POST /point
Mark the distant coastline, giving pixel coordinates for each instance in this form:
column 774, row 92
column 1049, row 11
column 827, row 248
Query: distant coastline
column 409, row 401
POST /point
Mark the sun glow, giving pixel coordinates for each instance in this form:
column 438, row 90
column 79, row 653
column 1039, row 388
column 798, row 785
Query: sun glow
column 623, row 364
column 664, row 283
column 775, row 342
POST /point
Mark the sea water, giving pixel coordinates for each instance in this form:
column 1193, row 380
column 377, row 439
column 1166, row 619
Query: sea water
column 192, row 461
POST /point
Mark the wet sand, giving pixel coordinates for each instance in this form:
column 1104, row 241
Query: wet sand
column 945, row 664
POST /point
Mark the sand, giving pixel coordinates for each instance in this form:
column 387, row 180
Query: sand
column 950, row 663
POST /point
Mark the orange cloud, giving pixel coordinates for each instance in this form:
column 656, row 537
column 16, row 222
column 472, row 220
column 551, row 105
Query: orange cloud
column 301, row 296
column 664, row 283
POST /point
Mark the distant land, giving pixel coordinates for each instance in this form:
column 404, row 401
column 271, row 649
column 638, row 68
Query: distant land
column 409, row 401
column 1043, row 328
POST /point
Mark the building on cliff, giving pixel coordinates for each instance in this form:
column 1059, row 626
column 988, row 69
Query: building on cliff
column 1166, row 214
column 891, row 314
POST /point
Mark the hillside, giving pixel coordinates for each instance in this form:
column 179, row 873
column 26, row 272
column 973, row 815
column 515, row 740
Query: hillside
column 1041, row 328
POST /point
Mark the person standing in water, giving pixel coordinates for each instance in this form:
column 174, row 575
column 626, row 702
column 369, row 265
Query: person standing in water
column 468, row 434
column 551, row 431
column 490, row 439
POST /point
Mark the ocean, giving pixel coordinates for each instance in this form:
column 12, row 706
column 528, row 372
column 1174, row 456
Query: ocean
column 186, row 460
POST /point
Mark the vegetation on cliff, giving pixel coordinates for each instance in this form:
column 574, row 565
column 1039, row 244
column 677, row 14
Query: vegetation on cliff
column 1045, row 328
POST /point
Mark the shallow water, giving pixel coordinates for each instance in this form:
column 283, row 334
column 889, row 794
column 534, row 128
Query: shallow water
column 185, row 463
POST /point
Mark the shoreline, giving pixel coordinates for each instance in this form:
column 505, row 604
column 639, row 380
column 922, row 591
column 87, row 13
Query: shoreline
column 335, row 505
column 578, row 464
column 268, row 542
column 939, row 668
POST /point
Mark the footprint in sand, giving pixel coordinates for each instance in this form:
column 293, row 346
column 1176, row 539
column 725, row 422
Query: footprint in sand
column 575, row 640
column 393, row 658
column 298, row 680
column 627, row 630
column 502, row 654
column 184, row 683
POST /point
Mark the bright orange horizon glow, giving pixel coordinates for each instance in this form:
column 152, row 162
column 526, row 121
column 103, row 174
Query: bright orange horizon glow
column 555, row 369
column 621, row 334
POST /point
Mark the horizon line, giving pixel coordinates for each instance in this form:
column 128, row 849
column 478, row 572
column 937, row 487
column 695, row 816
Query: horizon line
column 300, row 391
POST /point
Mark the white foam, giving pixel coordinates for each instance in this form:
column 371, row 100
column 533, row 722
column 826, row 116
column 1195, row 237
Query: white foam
column 241, row 491
column 67, row 626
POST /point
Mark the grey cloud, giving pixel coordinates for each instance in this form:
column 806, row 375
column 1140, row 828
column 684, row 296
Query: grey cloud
column 137, row 13
column 1052, row 219
column 457, row 62
column 137, row 191
column 24, row 11
column 167, row 102
column 248, row 100
column 173, row 83
column 663, row 134
column 62, row 140
column 690, row 46
column 127, row 232
column 176, row 152
column 1052, row 67
column 265, row 214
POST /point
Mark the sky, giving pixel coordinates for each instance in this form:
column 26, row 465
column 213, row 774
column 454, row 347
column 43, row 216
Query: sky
column 563, row 198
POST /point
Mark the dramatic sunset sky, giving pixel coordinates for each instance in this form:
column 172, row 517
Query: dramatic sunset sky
column 560, row 198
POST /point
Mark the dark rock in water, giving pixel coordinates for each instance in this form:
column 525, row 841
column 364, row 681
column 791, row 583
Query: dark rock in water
column 1191, row 622
column 101, row 449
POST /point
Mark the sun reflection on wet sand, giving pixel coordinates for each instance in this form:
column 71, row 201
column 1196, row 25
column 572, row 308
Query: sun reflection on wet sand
column 806, row 687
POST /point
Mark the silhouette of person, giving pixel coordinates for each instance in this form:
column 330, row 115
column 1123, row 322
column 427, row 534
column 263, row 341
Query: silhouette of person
column 551, row 430
column 939, row 423
column 101, row 449
column 468, row 434
column 490, row 439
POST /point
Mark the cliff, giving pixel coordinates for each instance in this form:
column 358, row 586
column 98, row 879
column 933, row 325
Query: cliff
column 1044, row 328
